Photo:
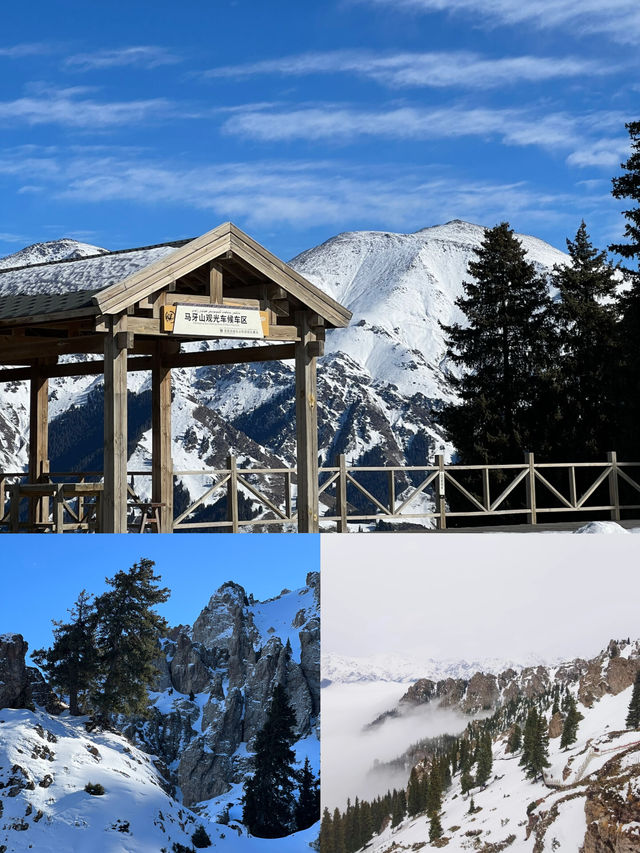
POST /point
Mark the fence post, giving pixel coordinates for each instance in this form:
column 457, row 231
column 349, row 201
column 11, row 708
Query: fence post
column 614, row 493
column 440, row 493
column 287, row 494
column 531, row 488
column 232, row 494
column 341, row 494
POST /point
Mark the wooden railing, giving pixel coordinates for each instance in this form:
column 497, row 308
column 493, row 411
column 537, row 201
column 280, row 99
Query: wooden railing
column 357, row 497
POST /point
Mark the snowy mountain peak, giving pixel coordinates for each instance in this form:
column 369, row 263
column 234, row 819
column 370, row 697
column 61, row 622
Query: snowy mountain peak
column 64, row 249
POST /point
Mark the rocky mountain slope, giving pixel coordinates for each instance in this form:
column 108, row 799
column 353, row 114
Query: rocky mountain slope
column 185, row 763
column 379, row 381
column 588, row 799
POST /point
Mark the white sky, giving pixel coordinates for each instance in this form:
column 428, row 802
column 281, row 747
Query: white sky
column 478, row 595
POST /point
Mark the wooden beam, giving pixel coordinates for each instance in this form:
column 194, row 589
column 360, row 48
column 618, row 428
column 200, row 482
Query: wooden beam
column 306, row 426
column 30, row 319
column 215, row 284
column 38, row 440
column 114, row 503
column 237, row 355
column 32, row 347
column 161, row 458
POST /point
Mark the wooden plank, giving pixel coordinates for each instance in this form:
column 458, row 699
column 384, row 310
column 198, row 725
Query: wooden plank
column 28, row 348
column 161, row 457
column 28, row 319
column 310, row 296
column 237, row 355
column 38, row 440
column 343, row 315
column 306, row 427
column 114, row 504
column 232, row 493
column 165, row 271
column 614, row 490
column 215, row 284
column 341, row 494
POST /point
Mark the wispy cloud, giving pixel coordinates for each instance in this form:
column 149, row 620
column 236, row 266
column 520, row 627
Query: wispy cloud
column 573, row 135
column 72, row 108
column 618, row 19
column 341, row 124
column 295, row 194
column 433, row 70
column 141, row 56
column 601, row 152
column 17, row 51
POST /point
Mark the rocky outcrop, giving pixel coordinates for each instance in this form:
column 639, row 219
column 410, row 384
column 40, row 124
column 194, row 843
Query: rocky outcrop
column 15, row 689
column 216, row 681
column 612, row 809
column 23, row 686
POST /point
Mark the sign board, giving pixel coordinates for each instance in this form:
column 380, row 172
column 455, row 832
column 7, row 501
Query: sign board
column 215, row 321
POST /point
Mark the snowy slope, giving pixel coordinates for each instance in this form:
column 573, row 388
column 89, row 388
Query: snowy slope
column 590, row 793
column 45, row 763
column 54, row 250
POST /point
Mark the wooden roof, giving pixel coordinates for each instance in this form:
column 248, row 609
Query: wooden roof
column 114, row 282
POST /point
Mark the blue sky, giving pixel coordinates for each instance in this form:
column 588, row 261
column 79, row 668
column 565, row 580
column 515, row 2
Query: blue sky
column 132, row 123
column 41, row 576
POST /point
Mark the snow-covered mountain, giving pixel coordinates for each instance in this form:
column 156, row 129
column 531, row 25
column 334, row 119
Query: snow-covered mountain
column 185, row 763
column 379, row 381
column 341, row 669
column 588, row 798
column 54, row 250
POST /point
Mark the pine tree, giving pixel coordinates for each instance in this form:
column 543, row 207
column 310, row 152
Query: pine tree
column 435, row 827
column 515, row 739
column 308, row 806
column 71, row 664
column 586, row 319
column 434, row 790
column 327, row 834
column 128, row 631
column 570, row 727
column 627, row 186
column 535, row 746
column 414, row 794
column 466, row 781
column 269, row 801
column 397, row 812
column 338, row 832
column 633, row 716
column 503, row 351
column 485, row 760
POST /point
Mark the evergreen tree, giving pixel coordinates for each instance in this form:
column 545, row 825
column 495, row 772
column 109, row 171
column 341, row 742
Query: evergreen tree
column 435, row 828
column 535, row 746
column 485, row 760
column 269, row 801
column 570, row 727
column 414, row 794
column 515, row 739
column 397, row 812
column 71, row 664
column 627, row 186
column 308, row 805
column 503, row 351
column 586, row 319
column 128, row 631
column 338, row 832
column 327, row 834
column 466, row 781
column 434, row 790
column 633, row 716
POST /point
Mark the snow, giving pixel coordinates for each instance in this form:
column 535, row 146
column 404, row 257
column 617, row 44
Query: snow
column 276, row 617
column 609, row 527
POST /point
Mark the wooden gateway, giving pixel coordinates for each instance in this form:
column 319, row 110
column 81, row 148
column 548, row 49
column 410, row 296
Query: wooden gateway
column 136, row 308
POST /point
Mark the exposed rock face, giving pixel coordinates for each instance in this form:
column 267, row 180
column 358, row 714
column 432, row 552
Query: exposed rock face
column 14, row 681
column 612, row 810
column 23, row 686
column 607, row 673
column 216, row 681
column 556, row 724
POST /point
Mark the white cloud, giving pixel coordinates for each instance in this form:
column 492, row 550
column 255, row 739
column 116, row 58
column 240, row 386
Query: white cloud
column 433, row 70
column 141, row 56
column 619, row 19
column 342, row 124
column 70, row 108
column 17, row 51
column 294, row 194
column 607, row 153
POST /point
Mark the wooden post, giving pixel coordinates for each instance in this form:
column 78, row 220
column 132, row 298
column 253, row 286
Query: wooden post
column 530, row 481
column 161, row 458
column 215, row 284
column 114, row 504
column 341, row 494
column 38, row 440
column 614, row 492
column 307, row 349
column 440, row 494
column 232, row 494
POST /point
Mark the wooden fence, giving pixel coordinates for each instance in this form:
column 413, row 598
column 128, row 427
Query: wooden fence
column 350, row 497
